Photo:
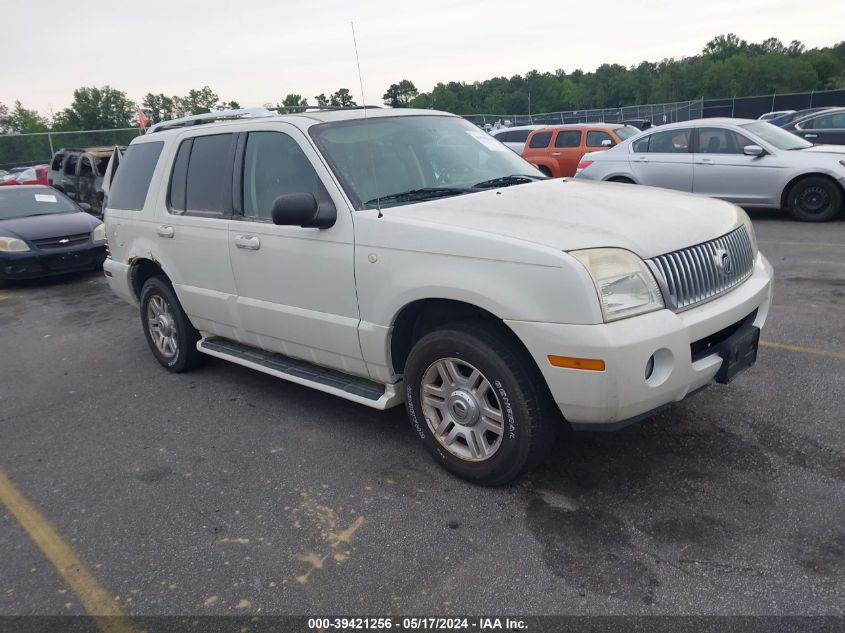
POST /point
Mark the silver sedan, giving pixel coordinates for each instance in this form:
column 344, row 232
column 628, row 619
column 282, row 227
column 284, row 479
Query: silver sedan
column 750, row 163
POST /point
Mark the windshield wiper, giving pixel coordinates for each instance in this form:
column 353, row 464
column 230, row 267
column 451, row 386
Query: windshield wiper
column 507, row 181
column 426, row 193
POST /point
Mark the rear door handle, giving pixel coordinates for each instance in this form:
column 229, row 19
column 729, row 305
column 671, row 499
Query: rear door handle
column 640, row 159
column 555, row 153
column 165, row 231
column 249, row 242
column 706, row 161
column 810, row 135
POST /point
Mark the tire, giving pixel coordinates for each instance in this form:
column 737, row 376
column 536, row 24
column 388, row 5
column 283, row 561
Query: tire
column 627, row 181
column 814, row 199
column 161, row 312
column 516, row 398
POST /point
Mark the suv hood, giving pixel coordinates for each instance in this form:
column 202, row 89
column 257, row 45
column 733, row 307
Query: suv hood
column 574, row 214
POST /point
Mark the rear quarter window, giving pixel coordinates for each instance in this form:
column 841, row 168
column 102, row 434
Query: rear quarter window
column 132, row 181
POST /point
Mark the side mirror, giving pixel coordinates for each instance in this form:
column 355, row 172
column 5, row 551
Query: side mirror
column 301, row 209
column 753, row 150
column 85, row 206
column 607, row 143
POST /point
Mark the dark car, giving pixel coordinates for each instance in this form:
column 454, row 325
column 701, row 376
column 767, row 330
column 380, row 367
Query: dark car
column 826, row 128
column 43, row 233
column 794, row 116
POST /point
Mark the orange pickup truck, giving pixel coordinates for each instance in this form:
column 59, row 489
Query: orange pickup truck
column 556, row 150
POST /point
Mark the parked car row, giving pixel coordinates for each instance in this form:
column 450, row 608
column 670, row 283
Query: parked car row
column 750, row 163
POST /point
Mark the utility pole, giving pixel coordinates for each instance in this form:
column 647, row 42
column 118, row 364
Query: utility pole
column 529, row 106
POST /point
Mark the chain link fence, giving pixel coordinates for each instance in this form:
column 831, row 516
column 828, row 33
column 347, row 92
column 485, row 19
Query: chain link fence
column 656, row 113
column 17, row 150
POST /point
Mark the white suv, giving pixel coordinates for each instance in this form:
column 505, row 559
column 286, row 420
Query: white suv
column 405, row 255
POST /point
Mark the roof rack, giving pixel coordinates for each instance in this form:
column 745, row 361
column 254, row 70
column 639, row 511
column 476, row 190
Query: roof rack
column 211, row 117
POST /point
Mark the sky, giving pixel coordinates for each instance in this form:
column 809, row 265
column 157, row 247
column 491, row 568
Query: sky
column 257, row 51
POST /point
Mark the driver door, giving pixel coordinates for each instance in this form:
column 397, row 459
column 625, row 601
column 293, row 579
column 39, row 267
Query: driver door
column 296, row 286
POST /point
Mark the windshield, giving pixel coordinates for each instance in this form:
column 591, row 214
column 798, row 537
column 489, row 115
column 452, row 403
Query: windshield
column 776, row 136
column 22, row 203
column 438, row 155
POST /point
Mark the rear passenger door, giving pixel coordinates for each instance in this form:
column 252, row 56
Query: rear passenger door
column 296, row 286
column 663, row 159
column 568, row 151
column 193, row 231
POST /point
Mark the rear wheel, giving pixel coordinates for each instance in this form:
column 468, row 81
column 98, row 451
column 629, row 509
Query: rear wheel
column 170, row 335
column 478, row 403
column 814, row 199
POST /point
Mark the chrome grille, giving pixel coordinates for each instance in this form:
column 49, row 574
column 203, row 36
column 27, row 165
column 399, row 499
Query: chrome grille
column 694, row 275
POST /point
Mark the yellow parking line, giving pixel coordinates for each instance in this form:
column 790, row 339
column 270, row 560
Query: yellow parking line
column 788, row 243
column 804, row 350
column 99, row 604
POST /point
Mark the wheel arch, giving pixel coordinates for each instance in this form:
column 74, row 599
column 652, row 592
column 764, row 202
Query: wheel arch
column 141, row 269
column 421, row 316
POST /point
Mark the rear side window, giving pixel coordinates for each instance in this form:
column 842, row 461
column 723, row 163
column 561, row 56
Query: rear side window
column 569, row 138
column 540, row 140
column 70, row 164
column 208, row 171
column 595, row 138
column 132, row 181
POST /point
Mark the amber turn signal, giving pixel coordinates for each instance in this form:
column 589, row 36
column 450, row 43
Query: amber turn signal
column 589, row 364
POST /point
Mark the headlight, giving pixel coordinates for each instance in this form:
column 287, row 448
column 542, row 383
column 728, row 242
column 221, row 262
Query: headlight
column 12, row 245
column 99, row 233
column 624, row 283
column 750, row 228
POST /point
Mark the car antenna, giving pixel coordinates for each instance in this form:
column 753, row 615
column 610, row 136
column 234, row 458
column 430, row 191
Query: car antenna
column 364, row 104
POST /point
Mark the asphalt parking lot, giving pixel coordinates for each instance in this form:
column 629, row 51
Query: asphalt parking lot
column 226, row 491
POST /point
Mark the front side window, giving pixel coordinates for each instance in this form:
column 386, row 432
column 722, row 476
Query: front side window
column 715, row 140
column 70, row 164
column 540, row 140
column 56, row 165
column 132, row 180
column 275, row 165
column 422, row 156
column 826, row 122
column 595, row 138
column 568, row 138
column 85, row 167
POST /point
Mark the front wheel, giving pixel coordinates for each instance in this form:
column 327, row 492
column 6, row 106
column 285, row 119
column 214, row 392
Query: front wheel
column 814, row 199
column 170, row 335
column 478, row 403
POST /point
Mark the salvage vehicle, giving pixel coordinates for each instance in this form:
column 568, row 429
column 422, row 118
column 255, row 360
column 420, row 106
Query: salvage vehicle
column 750, row 163
column 556, row 151
column 404, row 255
column 78, row 172
column 44, row 233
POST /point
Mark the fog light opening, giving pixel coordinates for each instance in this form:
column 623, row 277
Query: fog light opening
column 649, row 367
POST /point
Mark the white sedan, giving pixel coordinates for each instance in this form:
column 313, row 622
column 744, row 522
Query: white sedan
column 750, row 163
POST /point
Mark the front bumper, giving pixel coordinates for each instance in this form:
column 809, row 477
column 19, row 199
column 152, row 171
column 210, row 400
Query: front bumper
column 621, row 393
column 34, row 264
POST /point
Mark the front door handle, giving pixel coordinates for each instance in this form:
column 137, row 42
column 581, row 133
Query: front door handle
column 555, row 153
column 165, row 231
column 706, row 161
column 640, row 159
column 810, row 135
column 249, row 242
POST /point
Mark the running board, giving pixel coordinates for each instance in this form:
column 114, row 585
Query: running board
column 360, row 390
